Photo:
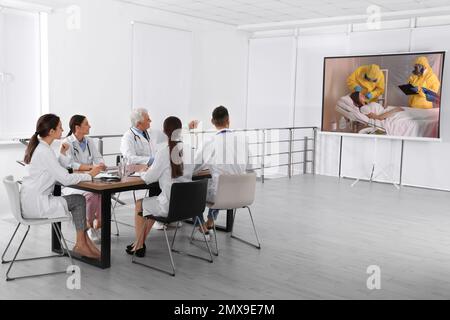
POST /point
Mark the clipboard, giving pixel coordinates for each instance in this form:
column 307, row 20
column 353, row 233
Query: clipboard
column 407, row 89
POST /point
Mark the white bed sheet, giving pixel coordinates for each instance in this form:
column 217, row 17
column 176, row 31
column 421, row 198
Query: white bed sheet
column 411, row 122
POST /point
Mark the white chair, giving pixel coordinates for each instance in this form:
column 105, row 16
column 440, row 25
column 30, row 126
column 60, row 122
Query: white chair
column 235, row 192
column 12, row 189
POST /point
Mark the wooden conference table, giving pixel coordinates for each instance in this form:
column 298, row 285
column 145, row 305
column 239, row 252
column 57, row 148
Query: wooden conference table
column 106, row 190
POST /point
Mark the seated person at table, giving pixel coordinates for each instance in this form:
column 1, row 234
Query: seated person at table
column 167, row 168
column 81, row 154
column 138, row 143
column 373, row 110
column 225, row 153
column 44, row 171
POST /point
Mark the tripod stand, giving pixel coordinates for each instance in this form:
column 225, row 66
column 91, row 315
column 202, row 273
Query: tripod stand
column 382, row 170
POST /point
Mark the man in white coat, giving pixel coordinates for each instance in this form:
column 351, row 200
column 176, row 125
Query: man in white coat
column 226, row 153
column 138, row 143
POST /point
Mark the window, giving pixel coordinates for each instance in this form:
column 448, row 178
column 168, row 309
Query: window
column 20, row 73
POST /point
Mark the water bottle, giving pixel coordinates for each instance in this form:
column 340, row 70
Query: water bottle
column 342, row 123
column 125, row 166
column 120, row 167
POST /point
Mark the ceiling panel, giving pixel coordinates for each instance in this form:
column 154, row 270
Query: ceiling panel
column 236, row 12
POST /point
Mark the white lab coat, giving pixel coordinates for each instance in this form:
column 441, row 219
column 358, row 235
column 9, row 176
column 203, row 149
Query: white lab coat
column 137, row 149
column 36, row 193
column 75, row 157
column 161, row 172
column 225, row 153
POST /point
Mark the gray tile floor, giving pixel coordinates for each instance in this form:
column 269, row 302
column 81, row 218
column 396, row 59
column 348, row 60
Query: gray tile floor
column 318, row 235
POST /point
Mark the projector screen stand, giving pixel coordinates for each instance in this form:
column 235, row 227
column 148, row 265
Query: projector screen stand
column 382, row 171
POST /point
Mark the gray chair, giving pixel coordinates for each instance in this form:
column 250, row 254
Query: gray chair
column 12, row 189
column 235, row 192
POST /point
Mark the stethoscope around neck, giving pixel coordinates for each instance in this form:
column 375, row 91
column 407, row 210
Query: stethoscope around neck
column 138, row 136
column 75, row 149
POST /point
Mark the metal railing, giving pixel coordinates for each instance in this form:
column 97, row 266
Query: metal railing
column 286, row 146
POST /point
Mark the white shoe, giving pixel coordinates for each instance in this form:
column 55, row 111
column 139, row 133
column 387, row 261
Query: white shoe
column 93, row 235
column 158, row 226
column 198, row 236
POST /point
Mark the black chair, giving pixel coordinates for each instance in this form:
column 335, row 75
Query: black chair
column 187, row 199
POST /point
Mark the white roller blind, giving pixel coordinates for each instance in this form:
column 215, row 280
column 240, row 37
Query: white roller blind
column 271, row 82
column 162, row 71
column 20, row 96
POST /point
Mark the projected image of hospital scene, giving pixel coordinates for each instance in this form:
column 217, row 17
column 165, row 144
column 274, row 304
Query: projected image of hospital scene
column 394, row 95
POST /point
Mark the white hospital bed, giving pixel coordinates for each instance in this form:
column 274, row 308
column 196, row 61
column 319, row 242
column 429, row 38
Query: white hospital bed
column 411, row 122
column 349, row 111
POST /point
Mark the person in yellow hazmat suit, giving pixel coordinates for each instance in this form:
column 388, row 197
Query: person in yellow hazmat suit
column 369, row 80
column 425, row 83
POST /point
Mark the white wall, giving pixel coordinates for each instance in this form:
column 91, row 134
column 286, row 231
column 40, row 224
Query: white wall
column 90, row 69
column 426, row 163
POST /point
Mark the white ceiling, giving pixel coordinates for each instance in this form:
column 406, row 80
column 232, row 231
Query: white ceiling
column 243, row 12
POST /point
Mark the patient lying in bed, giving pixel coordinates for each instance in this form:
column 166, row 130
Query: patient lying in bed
column 373, row 110
column 396, row 121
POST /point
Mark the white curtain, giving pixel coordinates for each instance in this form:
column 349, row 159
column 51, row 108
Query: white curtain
column 20, row 104
column 162, row 71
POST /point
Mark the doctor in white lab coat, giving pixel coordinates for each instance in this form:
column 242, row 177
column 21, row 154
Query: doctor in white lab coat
column 165, row 171
column 138, row 143
column 44, row 171
column 82, row 155
column 225, row 153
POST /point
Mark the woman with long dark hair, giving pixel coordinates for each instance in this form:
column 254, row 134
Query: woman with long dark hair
column 81, row 154
column 167, row 168
column 44, row 171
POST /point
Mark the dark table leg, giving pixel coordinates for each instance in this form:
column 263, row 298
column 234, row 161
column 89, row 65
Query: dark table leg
column 230, row 219
column 106, row 231
column 56, row 245
column 105, row 261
